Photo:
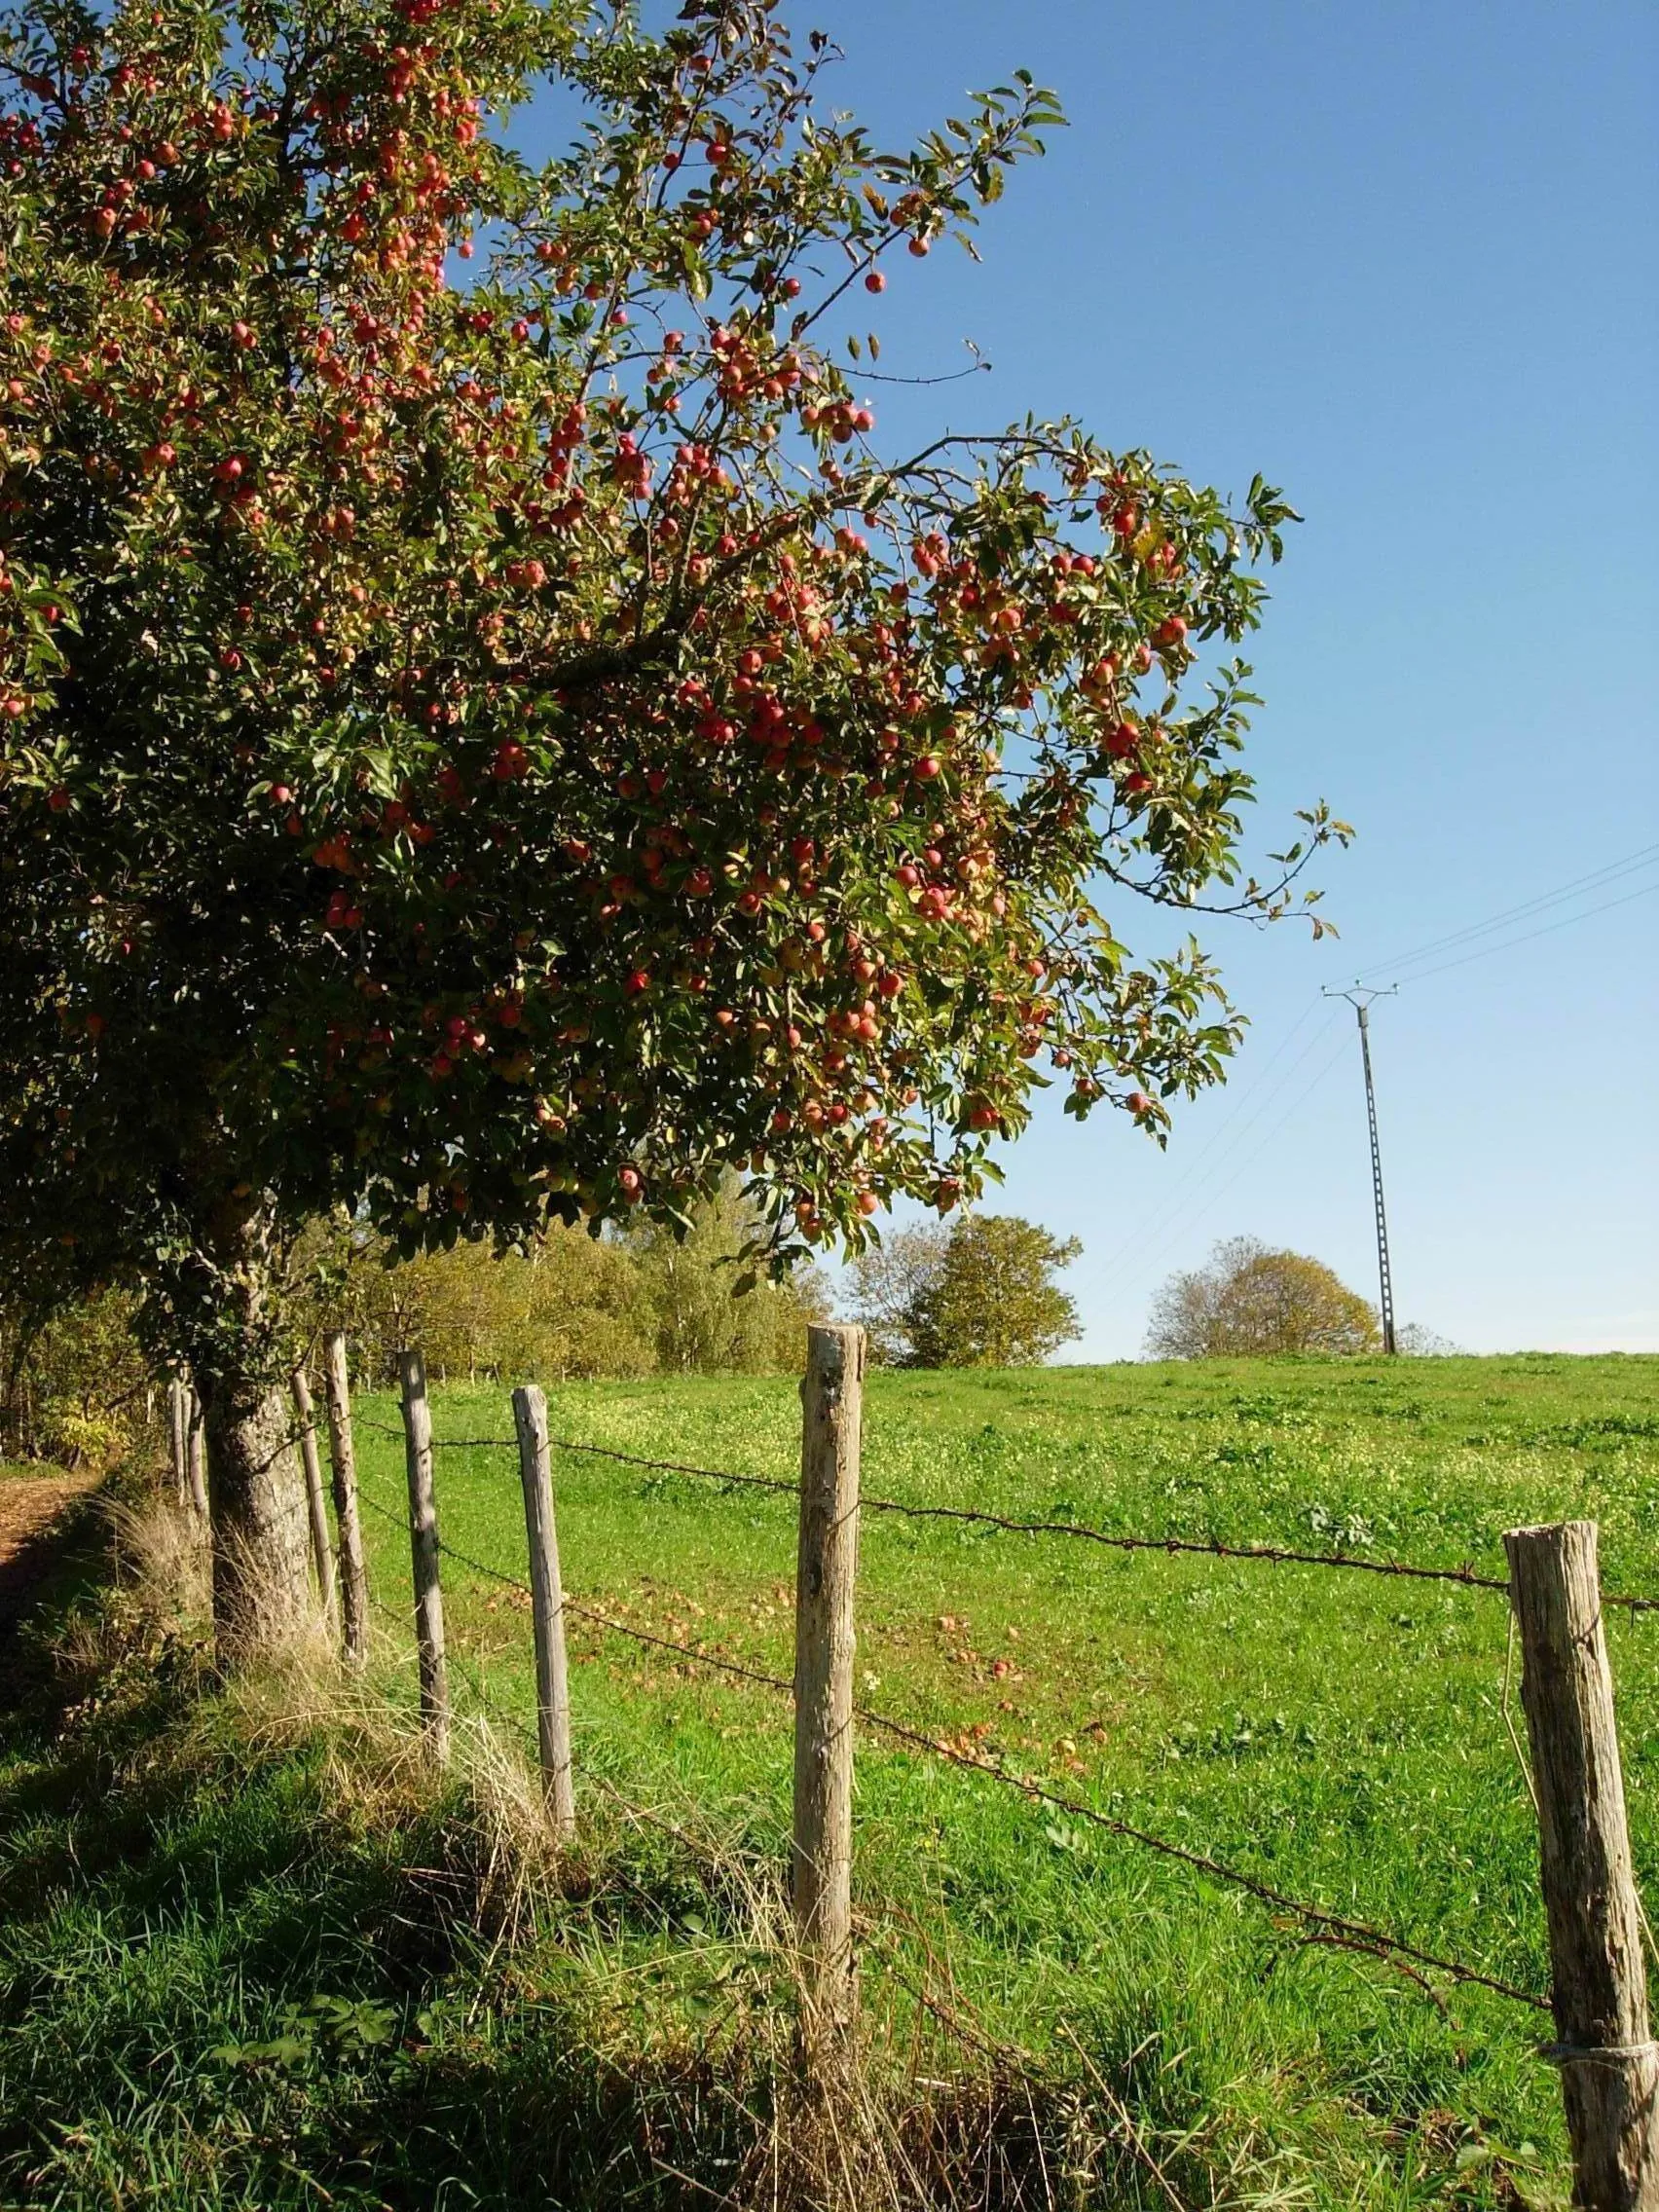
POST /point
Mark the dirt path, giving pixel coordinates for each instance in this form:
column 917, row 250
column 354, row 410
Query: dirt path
column 29, row 1509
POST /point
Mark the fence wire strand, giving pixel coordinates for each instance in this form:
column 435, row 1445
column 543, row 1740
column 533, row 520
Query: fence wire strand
column 1202, row 1547
column 1335, row 1928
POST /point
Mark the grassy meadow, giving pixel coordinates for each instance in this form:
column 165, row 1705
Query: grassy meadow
column 1339, row 1735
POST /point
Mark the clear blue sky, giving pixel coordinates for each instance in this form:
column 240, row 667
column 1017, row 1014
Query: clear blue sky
column 1402, row 259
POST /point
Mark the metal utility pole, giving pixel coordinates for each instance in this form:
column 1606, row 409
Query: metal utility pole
column 1359, row 998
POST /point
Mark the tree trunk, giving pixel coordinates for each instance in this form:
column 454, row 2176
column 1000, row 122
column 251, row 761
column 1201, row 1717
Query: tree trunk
column 261, row 1585
column 261, row 1569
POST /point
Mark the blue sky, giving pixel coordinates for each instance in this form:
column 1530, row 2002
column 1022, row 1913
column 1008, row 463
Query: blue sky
column 1401, row 259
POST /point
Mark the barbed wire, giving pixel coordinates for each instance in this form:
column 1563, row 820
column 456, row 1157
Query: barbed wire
column 1350, row 1934
column 1204, row 1547
column 1209, row 1547
column 442, row 1443
column 892, row 1917
column 889, row 1917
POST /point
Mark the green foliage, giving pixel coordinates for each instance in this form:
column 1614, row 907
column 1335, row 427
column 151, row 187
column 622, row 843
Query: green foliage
column 980, row 1294
column 569, row 1304
column 644, row 1302
column 78, row 1388
column 889, row 1280
column 491, row 756
column 707, row 1313
column 1253, row 1303
column 73, row 1383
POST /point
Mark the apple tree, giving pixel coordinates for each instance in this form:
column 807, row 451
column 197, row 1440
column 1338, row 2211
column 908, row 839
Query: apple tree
column 487, row 730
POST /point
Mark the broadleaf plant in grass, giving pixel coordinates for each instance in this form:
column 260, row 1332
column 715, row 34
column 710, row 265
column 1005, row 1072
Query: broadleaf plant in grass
column 489, row 733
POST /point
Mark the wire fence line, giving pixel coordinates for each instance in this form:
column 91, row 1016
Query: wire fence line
column 1552, row 1590
column 1329, row 1926
column 442, row 1443
column 1202, row 1547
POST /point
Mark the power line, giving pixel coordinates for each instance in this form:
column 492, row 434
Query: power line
column 1595, row 880
column 1178, row 1212
column 1509, row 944
column 1229, row 1132
column 1213, row 1198
column 1233, row 1129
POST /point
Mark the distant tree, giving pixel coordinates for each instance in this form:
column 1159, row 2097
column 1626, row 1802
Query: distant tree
column 980, row 1296
column 570, row 1304
column 640, row 1302
column 890, row 1281
column 1417, row 1339
column 993, row 1303
column 1251, row 1302
column 74, row 1383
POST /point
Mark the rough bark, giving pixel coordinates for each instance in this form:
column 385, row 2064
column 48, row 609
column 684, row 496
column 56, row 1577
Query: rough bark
column 343, row 1459
column 548, row 1606
column 1609, row 2064
column 424, row 1553
column 322, row 1550
column 261, row 1585
column 196, row 1454
column 256, row 1493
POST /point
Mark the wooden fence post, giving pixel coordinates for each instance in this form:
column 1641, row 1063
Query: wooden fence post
column 825, row 1570
column 424, row 1551
column 342, row 1466
column 1610, row 2065
column 177, row 1443
column 547, row 1601
column 322, row 1551
column 195, row 1451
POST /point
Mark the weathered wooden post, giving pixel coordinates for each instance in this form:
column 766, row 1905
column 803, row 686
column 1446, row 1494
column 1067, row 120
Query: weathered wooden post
column 825, row 1570
column 547, row 1603
column 196, row 1453
column 177, row 1443
column 1609, row 2064
column 424, row 1551
column 316, row 1512
column 343, row 1467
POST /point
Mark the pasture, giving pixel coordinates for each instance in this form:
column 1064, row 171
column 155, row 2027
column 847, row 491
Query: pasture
column 238, row 1969
column 1340, row 1736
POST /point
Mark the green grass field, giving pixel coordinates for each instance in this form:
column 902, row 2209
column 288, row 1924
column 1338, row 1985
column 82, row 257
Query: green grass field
column 1339, row 1735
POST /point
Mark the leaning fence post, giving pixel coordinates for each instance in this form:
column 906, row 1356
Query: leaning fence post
column 825, row 1570
column 423, row 1550
column 342, row 1466
column 1610, row 2065
column 195, row 1451
column 322, row 1551
column 547, row 1602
